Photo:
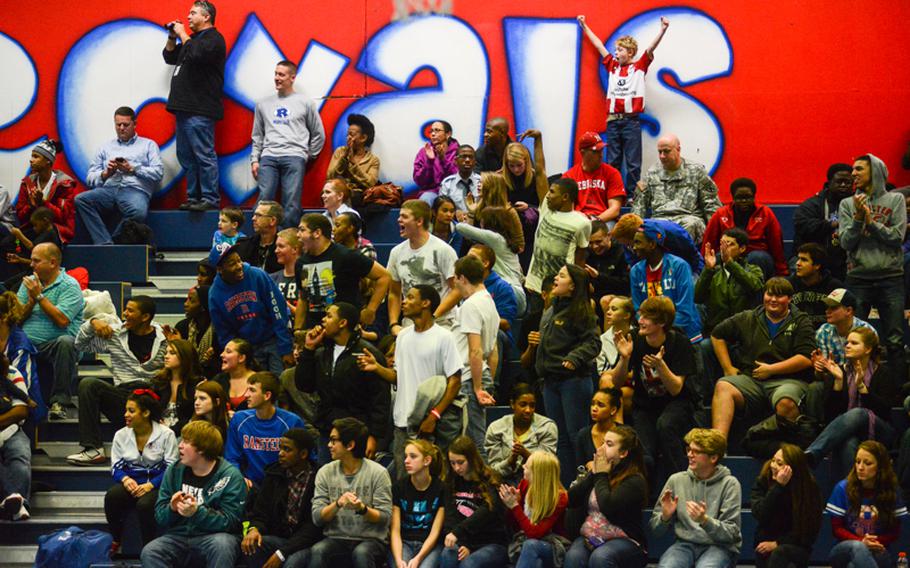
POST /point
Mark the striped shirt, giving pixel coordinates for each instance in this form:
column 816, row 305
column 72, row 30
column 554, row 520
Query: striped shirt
column 124, row 365
column 626, row 84
column 64, row 293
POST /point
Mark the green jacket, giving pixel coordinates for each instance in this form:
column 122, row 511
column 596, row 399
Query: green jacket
column 222, row 504
column 724, row 295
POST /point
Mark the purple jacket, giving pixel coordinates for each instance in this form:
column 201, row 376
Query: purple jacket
column 428, row 174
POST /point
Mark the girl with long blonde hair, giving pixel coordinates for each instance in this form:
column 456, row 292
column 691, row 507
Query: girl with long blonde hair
column 418, row 510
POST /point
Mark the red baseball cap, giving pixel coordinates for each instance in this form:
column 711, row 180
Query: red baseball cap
column 591, row 140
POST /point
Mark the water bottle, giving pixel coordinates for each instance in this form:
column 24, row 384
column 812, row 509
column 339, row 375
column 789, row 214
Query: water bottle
column 902, row 560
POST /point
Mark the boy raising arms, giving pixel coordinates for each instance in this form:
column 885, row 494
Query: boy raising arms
column 625, row 99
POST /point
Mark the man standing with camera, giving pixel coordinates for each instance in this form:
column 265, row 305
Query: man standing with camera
column 124, row 175
column 195, row 100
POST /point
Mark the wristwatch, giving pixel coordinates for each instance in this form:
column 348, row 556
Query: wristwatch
column 39, row 297
column 362, row 511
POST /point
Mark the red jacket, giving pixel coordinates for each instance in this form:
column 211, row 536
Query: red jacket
column 60, row 200
column 551, row 524
column 763, row 229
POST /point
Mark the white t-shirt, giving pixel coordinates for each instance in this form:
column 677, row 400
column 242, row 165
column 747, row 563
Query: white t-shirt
column 432, row 264
column 420, row 355
column 559, row 234
column 478, row 315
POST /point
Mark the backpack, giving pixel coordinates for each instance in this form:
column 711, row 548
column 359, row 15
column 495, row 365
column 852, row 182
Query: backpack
column 73, row 548
column 385, row 194
column 136, row 233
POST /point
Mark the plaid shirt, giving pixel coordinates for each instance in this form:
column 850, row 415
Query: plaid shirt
column 831, row 344
column 297, row 485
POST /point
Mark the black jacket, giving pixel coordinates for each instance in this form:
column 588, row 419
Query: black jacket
column 271, row 507
column 773, row 509
column 812, row 225
column 249, row 251
column 883, row 394
column 613, row 272
column 198, row 78
column 562, row 339
column 622, row 504
column 344, row 390
column 185, row 400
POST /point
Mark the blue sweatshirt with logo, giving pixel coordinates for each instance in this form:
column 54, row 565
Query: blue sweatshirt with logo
column 252, row 443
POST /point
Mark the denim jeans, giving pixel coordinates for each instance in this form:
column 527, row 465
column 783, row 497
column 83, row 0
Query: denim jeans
column 62, row 355
column 843, row 435
column 196, row 154
column 270, row 544
column 410, row 548
column 331, row 552
column 98, row 396
column 93, row 206
column 763, row 260
column 887, row 295
column 566, row 401
column 624, row 150
column 16, row 466
column 615, row 553
column 212, row 550
column 688, row 554
column 489, row 556
column 286, row 172
column 535, row 554
column 477, row 422
column 266, row 354
column 855, row 554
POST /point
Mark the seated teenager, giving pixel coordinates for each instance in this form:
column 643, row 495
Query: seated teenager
column 199, row 505
column 787, row 504
column 281, row 524
column 418, row 509
column 702, row 506
column 142, row 451
column 614, row 494
column 210, row 405
column 619, row 318
column 866, row 510
column 237, row 366
column 536, row 508
column 352, row 503
column 510, row 440
column 196, row 328
column 831, row 337
column 176, row 384
column 812, row 282
column 729, row 283
column 474, row 524
column 606, row 406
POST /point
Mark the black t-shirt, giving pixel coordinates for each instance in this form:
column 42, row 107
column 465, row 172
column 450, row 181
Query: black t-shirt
column 333, row 276
column 195, row 485
column 141, row 345
column 649, row 390
column 418, row 508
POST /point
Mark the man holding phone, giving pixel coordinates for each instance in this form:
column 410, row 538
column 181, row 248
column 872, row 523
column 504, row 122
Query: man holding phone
column 124, row 175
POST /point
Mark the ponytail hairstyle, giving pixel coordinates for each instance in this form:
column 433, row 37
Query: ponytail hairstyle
column 634, row 462
column 11, row 310
column 428, row 449
column 545, row 487
column 480, row 473
column 870, row 339
column 884, row 489
column 147, row 400
column 804, row 494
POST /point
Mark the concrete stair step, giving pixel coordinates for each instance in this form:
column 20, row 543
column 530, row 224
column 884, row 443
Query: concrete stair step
column 19, row 556
column 74, row 502
column 60, row 449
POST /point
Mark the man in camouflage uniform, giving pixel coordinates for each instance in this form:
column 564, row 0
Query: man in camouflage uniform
column 678, row 190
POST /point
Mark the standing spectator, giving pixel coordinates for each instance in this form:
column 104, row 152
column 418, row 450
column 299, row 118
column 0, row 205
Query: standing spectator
column 199, row 507
column 474, row 512
column 287, row 251
column 872, row 227
column 566, row 347
column 15, row 446
column 787, row 504
column 352, row 502
column 435, row 161
column 495, row 140
column 678, row 190
column 51, row 317
column 287, row 135
column 124, row 177
column 866, row 510
column 510, row 440
column 246, row 303
column 258, row 249
column 175, row 384
column 421, row 259
column 47, row 187
column 136, row 347
column 336, row 198
column 600, row 190
column 660, row 273
column 195, row 100
column 347, row 233
column 766, row 241
column 328, row 367
column 708, row 531
column 463, row 187
column 831, row 337
column 254, row 434
column 527, row 182
column 812, row 283
column 613, row 495
column 196, row 328
column 661, row 360
column 625, row 98
column 354, row 162
column 281, row 523
column 730, row 286
column 510, row 300
column 442, row 219
column 142, row 451
column 816, row 219
column 773, row 361
column 494, row 223
column 418, row 508
column 606, row 407
column 676, row 239
column 494, row 193
column 859, row 395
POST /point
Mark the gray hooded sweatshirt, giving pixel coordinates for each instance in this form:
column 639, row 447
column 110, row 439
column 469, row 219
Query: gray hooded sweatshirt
column 874, row 249
column 723, row 496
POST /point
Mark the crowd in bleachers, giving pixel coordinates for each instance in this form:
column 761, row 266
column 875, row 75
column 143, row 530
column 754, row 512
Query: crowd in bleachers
column 316, row 407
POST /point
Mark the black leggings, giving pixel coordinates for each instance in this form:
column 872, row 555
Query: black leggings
column 784, row 556
column 117, row 504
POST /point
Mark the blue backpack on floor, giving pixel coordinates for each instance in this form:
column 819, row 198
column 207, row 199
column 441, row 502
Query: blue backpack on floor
column 73, row 548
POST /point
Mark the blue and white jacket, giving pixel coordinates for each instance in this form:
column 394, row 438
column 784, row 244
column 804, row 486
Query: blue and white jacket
column 676, row 283
column 148, row 466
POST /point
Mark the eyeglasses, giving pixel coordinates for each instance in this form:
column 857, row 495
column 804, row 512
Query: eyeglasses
column 695, row 451
column 262, row 215
column 334, row 440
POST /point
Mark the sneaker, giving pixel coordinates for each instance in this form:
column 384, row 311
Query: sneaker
column 57, row 412
column 188, row 204
column 115, row 551
column 23, row 514
column 11, row 506
column 202, row 206
column 88, row 456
